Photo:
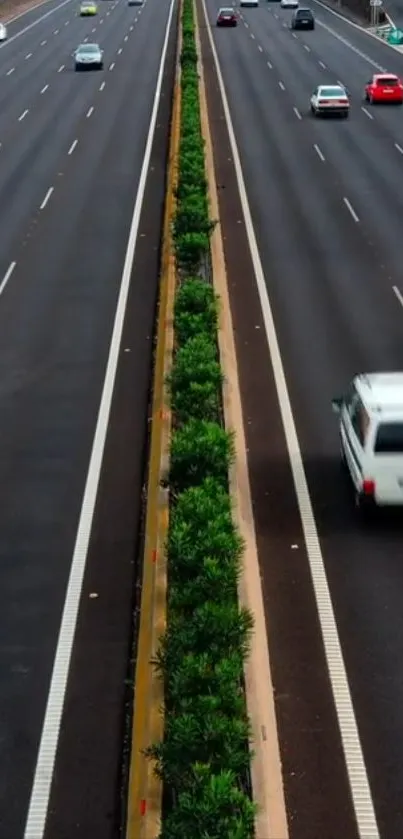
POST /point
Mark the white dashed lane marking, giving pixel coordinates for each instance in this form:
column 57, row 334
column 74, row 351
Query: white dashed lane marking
column 90, row 110
column 319, row 153
column 399, row 148
column 7, row 276
column 29, row 55
column 46, row 198
column 10, row 71
column 112, row 65
column 23, row 115
column 351, row 210
column 44, row 89
column 72, row 147
column 102, row 86
column 281, row 85
column 297, row 113
column 367, row 113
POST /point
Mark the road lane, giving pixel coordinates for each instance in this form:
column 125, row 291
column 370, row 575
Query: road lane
column 28, row 156
column 336, row 313
column 56, row 316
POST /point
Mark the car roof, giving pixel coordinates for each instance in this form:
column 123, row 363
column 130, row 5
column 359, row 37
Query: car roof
column 226, row 9
column 381, row 392
column 85, row 46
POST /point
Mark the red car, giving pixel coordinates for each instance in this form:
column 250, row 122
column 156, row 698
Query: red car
column 384, row 88
column 227, row 17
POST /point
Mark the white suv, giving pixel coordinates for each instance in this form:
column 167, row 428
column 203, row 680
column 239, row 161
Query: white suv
column 371, row 437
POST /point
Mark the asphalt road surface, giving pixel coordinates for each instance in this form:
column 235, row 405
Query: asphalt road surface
column 71, row 150
column 326, row 198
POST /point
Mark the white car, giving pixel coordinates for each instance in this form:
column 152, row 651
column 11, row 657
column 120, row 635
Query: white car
column 3, row 32
column 330, row 99
column 371, row 437
column 249, row 3
column 289, row 4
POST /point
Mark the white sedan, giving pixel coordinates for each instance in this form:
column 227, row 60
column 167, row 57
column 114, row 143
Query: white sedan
column 3, row 32
column 330, row 99
column 289, row 4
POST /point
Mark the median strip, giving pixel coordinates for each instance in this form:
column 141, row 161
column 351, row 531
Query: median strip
column 202, row 757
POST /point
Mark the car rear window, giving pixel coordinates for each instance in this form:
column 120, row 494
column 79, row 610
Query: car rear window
column 305, row 13
column 389, row 438
column 329, row 92
column 390, row 82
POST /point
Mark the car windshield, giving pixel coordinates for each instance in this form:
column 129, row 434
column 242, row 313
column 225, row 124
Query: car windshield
column 303, row 13
column 332, row 92
column 226, row 11
column 388, row 80
column 389, row 439
column 91, row 48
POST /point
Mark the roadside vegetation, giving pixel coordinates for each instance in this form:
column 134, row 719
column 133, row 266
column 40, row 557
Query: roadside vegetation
column 204, row 758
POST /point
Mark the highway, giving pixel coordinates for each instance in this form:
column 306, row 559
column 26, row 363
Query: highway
column 326, row 200
column 72, row 147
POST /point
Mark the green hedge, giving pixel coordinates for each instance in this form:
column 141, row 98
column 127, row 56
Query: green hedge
column 204, row 758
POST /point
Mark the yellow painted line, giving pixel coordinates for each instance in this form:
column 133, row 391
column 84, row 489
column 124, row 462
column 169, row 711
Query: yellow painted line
column 266, row 772
column 145, row 789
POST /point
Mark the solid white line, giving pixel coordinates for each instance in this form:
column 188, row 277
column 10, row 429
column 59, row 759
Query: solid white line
column 367, row 113
column 112, row 65
column 90, row 110
column 72, row 147
column 61, row 68
column 308, row 49
column 260, row 48
column 23, row 115
column 7, row 276
column 297, row 113
column 323, row 66
column 39, row 802
column 44, row 89
column 102, row 85
column 351, row 209
column 46, row 198
column 399, row 148
column 398, row 293
column 10, row 71
column 29, row 55
column 319, row 153
column 34, row 23
column 281, row 85
column 269, row 64
column 357, row 774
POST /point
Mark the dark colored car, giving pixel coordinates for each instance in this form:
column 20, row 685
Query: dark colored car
column 303, row 19
column 227, row 17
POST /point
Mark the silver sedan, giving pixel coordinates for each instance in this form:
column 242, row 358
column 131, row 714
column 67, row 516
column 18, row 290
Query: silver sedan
column 89, row 57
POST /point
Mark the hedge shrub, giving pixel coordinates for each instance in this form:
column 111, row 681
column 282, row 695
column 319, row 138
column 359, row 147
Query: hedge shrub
column 204, row 758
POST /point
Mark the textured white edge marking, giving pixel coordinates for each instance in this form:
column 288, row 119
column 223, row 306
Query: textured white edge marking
column 351, row 46
column 7, row 276
column 360, row 29
column 398, row 294
column 39, row 801
column 297, row 113
column 357, row 774
column 319, row 152
column 350, row 209
column 46, row 198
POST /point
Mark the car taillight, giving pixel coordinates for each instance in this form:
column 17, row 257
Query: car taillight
column 368, row 487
